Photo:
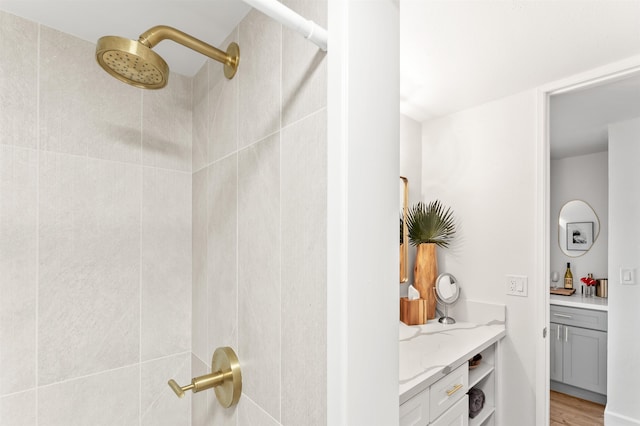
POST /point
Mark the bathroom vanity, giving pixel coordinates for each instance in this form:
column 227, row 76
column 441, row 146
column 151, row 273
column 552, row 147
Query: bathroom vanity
column 578, row 346
column 434, row 369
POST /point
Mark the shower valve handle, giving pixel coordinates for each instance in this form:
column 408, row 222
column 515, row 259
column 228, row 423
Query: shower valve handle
column 225, row 377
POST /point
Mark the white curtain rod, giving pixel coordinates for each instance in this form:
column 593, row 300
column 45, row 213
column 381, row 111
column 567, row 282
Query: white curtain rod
column 281, row 13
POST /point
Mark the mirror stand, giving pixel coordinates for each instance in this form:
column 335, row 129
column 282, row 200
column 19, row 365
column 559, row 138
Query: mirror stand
column 446, row 319
column 448, row 291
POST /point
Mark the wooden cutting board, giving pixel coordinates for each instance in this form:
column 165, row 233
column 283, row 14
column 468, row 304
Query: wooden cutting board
column 562, row 291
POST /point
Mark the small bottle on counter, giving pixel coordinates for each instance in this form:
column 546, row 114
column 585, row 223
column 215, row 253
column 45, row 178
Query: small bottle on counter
column 568, row 277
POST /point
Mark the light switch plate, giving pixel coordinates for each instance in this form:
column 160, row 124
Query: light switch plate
column 627, row 276
column 517, row 285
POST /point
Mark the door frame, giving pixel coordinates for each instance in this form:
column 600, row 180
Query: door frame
column 601, row 75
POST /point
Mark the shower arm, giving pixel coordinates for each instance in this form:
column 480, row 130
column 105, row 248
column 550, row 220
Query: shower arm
column 155, row 35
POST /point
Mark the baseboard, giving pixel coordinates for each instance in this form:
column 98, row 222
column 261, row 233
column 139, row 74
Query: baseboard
column 614, row 419
column 578, row 392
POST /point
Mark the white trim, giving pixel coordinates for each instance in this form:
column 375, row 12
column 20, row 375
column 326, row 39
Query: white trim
column 614, row 419
column 337, row 202
column 600, row 75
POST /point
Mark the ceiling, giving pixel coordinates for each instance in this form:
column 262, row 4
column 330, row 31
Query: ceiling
column 209, row 20
column 454, row 54
column 579, row 119
column 459, row 54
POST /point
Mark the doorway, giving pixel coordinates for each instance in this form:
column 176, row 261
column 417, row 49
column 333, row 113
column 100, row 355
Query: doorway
column 596, row 78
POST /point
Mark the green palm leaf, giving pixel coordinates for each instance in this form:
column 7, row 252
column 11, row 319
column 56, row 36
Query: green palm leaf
column 430, row 223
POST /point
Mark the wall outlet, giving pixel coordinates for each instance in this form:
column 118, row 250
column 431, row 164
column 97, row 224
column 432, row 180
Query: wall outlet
column 517, row 285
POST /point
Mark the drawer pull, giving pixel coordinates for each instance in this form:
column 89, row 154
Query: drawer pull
column 453, row 390
column 558, row 335
column 562, row 316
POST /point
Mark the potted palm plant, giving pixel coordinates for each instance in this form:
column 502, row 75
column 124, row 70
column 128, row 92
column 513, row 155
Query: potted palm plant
column 430, row 226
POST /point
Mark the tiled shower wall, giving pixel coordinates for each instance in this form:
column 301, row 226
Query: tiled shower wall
column 95, row 238
column 259, row 224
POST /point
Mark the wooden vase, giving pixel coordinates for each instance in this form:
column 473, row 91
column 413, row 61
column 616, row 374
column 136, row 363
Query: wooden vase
column 425, row 274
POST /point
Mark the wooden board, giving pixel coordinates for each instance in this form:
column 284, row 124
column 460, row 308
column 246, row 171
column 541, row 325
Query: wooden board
column 562, row 291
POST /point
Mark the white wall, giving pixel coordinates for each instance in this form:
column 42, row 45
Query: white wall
column 624, row 250
column 363, row 169
column 585, row 178
column 480, row 163
column 411, row 168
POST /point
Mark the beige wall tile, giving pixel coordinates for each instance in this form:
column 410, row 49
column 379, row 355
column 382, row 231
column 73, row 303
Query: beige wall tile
column 83, row 110
column 304, row 65
column 89, row 289
column 166, row 125
column 200, row 305
column 223, row 105
column 222, row 238
column 160, row 406
column 200, row 118
column 251, row 414
column 18, row 242
column 166, row 263
column 103, row 399
column 259, row 78
column 259, row 271
column 304, row 266
column 18, row 409
column 18, row 81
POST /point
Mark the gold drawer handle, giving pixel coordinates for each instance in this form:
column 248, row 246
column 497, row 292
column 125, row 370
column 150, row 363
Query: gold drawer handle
column 455, row 389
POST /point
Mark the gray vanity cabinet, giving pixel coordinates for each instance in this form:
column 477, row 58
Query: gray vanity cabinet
column 579, row 348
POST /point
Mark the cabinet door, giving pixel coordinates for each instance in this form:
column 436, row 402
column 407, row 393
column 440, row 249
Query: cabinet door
column 585, row 359
column 415, row 412
column 555, row 356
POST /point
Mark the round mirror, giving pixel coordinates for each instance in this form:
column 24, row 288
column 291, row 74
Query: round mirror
column 578, row 228
column 448, row 291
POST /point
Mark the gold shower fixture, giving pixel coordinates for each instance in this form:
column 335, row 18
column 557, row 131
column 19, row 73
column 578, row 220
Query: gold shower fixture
column 133, row 61
column 225, row 377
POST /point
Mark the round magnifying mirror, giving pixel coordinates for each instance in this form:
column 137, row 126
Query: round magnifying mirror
column 448, row 291
column 578, row 228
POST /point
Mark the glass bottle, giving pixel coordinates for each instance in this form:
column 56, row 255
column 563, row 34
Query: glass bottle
column 568, row 277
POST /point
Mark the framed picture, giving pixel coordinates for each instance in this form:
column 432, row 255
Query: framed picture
column 579, row 236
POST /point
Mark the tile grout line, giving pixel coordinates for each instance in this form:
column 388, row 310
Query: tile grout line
column 37, row 301
column 140, row 275
column 280, row 150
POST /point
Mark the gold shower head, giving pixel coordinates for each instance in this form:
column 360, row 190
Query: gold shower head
column 133, row 62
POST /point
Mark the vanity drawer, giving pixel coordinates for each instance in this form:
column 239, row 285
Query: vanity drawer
column 458, row 415
column 415, row 412
column 448, row 390
column 584, row 318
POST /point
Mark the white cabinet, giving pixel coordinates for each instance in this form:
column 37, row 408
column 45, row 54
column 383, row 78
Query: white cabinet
column 457, row 415
column 415, row 412
column 447, row 391
column 483, row 377
column 441, row 401
column 446, row 403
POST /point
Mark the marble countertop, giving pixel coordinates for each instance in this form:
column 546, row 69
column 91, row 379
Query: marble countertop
column 577, row 300
column 428, row 352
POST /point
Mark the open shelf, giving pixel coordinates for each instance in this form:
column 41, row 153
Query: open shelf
column 483, row 377
column 479, row 373
column 481, row 418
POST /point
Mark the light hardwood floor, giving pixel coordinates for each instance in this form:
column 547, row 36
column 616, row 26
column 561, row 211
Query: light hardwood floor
column 568, row 410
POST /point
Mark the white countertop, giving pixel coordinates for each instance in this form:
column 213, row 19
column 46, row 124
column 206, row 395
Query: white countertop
column 428, row 352
column 577, row 300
